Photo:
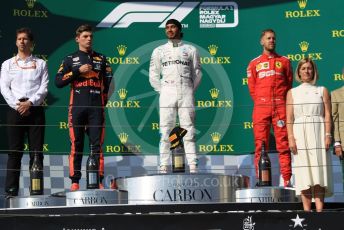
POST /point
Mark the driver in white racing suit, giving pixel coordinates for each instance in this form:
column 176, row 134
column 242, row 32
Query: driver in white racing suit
column 175, row 73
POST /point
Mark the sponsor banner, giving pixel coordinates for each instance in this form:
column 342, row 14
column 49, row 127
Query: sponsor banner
column 226, row 34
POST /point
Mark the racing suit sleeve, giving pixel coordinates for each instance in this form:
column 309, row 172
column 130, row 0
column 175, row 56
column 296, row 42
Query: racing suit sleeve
column 251, row 76
column 42, row 92
column 66, row 74
column 106, row 80
column 155, row 71
column 196, row 66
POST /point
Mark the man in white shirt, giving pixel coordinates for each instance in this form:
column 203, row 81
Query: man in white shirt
column 24, row 85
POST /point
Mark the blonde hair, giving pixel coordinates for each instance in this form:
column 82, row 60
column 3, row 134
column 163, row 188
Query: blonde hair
column 315, row 70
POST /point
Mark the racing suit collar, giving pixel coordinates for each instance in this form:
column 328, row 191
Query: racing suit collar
column 175, row 42
column 85, row 53
column 271, row 55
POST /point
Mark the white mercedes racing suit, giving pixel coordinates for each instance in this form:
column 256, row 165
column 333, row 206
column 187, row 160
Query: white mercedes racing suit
column 175, row 73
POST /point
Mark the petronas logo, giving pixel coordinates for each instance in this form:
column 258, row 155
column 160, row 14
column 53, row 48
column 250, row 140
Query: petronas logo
column 304, row 46
column 215, row 136
column 122, row 93
column 121, row 50
column 213, row 49
column 214, row 93
column 123, row 137
column 30, row 3
column 302, row 4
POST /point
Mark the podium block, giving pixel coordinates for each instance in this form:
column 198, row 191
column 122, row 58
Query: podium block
column 182, row 188
column 265, row 195
column 96, row 197
column 35, row 201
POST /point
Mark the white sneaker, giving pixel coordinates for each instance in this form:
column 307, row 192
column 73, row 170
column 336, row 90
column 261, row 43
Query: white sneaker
column 193, row 168
column 163, row 169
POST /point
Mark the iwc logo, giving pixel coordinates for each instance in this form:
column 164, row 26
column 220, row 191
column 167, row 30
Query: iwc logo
column 215, row 146
column 302, row 12
column 304, row 47
column 123, row 103
column 215, row 59
column 121, row 59
column 214, row 103
column 30, row 11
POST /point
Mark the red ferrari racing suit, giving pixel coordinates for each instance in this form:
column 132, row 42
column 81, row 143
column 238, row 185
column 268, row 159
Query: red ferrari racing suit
column 269, row 79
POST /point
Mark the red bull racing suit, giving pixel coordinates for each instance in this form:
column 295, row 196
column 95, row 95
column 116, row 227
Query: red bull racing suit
column 88, row 97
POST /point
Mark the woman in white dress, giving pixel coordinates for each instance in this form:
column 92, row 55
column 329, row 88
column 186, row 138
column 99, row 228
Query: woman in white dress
column 309, row 135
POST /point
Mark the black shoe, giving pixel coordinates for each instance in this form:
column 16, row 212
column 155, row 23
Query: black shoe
column 10, row 192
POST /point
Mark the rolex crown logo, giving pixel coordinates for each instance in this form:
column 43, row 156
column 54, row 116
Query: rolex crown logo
column 123, row 137
column 121, row 50
column 214, row 93
column 213, row 49
column 215, row 137
column 30, row 3
column 302, row 4
column 304, row 46
column 122, row 93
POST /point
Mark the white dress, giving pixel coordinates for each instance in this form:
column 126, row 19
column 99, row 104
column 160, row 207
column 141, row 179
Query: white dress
column 312, row 164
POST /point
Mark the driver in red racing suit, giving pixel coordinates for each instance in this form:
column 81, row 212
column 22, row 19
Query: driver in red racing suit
column 270, row 77
column 89, row 75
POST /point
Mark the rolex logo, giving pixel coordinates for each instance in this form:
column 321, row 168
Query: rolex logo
column 214, row 93
column 123, row 137
column 30, row 3
column 304, row 46
column 122, row 93
column 213, row 49
column 215, row 137
column 121, row 50
column 302, row 4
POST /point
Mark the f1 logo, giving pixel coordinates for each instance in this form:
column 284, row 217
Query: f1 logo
column 127, row 13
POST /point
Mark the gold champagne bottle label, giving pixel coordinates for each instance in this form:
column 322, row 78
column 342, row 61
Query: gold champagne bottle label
column 265, row 175
column 178, row 162
column 36, row 184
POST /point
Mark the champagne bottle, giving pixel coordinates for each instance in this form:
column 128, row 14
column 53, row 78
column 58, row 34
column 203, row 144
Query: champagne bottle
column 36, row 176
column 178, row 159
column 177, row 149
column 264, row 168
column 92, row 170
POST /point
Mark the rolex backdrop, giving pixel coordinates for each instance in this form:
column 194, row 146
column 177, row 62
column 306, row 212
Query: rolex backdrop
column 226, row 35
